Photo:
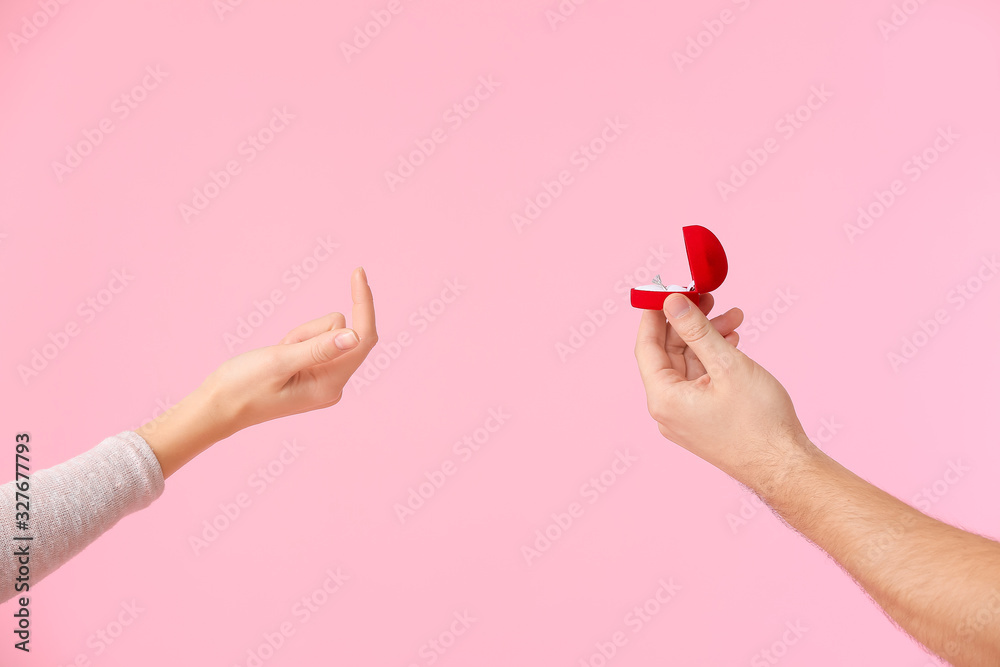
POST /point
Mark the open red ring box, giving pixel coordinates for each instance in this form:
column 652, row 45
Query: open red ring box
column 709, row 267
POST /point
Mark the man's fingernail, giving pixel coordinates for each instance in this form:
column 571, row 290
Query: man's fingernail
column 346, row 340
column 677, row 305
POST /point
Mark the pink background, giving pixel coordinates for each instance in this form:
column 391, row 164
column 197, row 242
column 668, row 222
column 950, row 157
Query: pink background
column 496, row 345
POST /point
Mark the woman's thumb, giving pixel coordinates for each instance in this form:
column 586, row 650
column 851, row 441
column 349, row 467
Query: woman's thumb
column 319, row 349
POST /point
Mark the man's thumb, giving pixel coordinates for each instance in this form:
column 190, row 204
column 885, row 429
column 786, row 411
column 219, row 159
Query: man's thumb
column 319, row 349
column 712, row 350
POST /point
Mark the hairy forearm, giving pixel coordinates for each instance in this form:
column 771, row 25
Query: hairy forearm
column 940, row 584
column 198, row 421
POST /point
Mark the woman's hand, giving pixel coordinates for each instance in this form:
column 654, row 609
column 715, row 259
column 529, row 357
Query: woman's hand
column 709, row 397
column 306, row 371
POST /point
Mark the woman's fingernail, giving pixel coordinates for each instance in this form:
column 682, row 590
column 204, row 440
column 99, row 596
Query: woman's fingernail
column 678, row 305
column 346, row 340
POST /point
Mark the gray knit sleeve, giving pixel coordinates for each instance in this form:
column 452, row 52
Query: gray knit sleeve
column 73, row 503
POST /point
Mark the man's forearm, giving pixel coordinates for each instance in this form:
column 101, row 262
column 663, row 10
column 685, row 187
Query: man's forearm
column 939, row 583
column 198, row 421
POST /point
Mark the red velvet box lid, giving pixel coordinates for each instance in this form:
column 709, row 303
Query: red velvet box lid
column 709, row 268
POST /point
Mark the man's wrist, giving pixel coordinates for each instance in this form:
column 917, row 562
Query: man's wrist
column 791, row 457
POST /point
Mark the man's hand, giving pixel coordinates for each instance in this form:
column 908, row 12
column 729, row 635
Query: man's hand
column 938, row 583
column 709, row 397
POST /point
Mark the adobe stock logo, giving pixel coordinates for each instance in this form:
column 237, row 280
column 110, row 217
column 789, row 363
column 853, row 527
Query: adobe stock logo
column 163, row 411
column 421, row 319
column 751, row 505
column 550, row 191
column 364, row 34
column 121, row 108
column 561, row 13
column 636, row 619
column 927, row 330
column 787, row 126
column 913, row 168
column 436, row 647
column 303, row 610
column 463, row 450
column 104, row 637
column 932, row 494
column 592, row 490
column 88, row 309
column 973, row 624
column 712, row 30
column 899, row 17
column 223, row 7
column 595, row 319
column 295, row 276
column 231, row 511
column 248, row 149
column 424, row 147
column 30, row 25
column 779, row 648
column 762, row 322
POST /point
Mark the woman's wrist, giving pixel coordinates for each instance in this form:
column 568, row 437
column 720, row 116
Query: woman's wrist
column 194, row 424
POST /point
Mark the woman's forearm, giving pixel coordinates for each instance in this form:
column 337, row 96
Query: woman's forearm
column 939, row 583
column 194, row 424
column 72, row 504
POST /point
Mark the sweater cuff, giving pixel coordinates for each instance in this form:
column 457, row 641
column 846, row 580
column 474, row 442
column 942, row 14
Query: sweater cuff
column 143, row 460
